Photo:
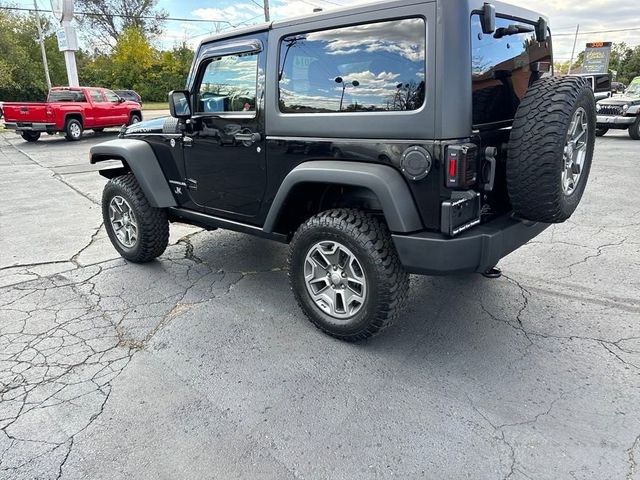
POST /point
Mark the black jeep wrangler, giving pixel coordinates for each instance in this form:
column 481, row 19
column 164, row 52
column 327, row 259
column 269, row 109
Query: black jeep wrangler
column 425, row 137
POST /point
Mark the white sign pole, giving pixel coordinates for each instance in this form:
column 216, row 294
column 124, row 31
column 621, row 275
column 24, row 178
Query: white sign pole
column 67, row 39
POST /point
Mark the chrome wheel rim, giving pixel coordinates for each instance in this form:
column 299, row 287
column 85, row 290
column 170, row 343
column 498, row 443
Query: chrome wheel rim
column 335, row 279
column 123, row 221
column 135, row 120
column 575, row 151
column 75, row 130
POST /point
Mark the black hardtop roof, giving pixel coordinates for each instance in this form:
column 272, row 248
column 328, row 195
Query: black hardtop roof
column 364, row 8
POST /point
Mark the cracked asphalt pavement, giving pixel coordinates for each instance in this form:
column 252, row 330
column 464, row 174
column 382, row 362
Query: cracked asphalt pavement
column 201, row 366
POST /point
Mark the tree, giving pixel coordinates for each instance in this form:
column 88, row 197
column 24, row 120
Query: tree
column 106, row 20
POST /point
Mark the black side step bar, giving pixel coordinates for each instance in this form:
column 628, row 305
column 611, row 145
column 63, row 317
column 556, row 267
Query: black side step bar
column 211, row 222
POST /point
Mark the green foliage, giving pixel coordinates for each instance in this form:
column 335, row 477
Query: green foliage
column 111, row 18
column 132, row 64
column 135, row 64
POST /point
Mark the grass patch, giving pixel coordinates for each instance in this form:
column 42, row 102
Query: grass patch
column 155, row 106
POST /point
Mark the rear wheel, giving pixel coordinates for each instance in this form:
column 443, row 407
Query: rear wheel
column 634, row 129
column 346, row 275
column 30, row 136
column 601, row 131
column 550, row 149
column 73, row 130
column 138, row 231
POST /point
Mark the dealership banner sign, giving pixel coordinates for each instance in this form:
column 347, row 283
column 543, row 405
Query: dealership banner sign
column 596, row 57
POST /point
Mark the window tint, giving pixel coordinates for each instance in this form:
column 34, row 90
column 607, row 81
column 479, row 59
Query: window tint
column 228, row 85
column 373, row 67
column 502, row 68
column 66, row 96
column 96, row 96
column 111, row 97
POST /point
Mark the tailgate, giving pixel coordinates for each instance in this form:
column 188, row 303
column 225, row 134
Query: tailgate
column 26, row 113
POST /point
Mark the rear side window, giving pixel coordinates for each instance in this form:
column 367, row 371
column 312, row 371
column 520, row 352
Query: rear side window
column 361, row 68
column 503, row 65
column 96, row 96
column 66, row 96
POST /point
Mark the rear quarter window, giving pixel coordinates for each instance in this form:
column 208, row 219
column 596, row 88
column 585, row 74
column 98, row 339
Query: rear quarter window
column 361, row 68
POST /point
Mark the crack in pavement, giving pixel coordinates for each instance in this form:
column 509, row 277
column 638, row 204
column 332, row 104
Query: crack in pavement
column 64, row 339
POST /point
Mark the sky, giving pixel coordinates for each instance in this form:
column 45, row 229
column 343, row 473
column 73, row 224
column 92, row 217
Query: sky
column 564, row 15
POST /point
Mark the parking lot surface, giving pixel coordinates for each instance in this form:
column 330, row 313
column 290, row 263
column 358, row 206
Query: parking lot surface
column 200, row 365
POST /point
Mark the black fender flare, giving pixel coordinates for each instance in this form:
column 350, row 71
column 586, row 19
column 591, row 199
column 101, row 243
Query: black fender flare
column 398, row 206
column 139, row 157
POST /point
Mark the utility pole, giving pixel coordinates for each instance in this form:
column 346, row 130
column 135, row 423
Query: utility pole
column 573, row 51
column 266, row 11
column 42, row 49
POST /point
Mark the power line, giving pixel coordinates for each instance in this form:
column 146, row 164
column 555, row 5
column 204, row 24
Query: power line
column 597, row 31
column 119, row 15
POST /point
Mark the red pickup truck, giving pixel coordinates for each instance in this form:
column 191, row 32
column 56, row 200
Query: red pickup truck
column 71, row 110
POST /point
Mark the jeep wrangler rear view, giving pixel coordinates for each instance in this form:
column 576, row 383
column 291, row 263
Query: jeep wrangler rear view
column 422, row 137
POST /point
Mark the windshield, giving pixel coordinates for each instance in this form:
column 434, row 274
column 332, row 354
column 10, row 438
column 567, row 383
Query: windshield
column 634, row 89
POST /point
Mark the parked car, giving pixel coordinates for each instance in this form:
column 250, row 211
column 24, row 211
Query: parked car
column 130, row 95
column 621, row 112
column 71, row 110
column 618, row 87
column 394, row 168
column 600, row 83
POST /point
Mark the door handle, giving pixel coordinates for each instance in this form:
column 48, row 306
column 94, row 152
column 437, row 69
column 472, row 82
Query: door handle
column 248, row 138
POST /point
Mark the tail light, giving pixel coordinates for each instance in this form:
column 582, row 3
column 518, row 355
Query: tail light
column 461, row 165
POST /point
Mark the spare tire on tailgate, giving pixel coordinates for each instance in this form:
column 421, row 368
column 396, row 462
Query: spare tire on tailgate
column 550, row 149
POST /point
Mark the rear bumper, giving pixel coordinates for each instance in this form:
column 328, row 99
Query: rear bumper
column 476, row 250
column 30, row 127
column 609, row 120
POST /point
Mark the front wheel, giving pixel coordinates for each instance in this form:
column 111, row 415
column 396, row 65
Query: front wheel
column 73, row 130
column 30, row 136
column 634, row 129
column 346, row 275
column 138, row 231
column 134, row 118
column 600, row 132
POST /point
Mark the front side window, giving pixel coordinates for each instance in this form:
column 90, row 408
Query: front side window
column 228, row 84
column 111, row 96
column 361, row 68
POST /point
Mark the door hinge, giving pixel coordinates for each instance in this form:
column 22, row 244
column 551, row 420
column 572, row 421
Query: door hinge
column 192, row 184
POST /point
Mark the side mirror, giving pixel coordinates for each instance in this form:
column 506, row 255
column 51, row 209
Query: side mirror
column 541, row 30
column 121, row 100
column 488, row 19
column 180, row 104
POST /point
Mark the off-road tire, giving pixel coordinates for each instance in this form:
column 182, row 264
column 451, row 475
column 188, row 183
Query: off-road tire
column 536, row 145
column 634, row 129
column 153, row 225
column 134, row 118
column 70, row 127
column 368, row 238
column 600, row 132
column 30, row 136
